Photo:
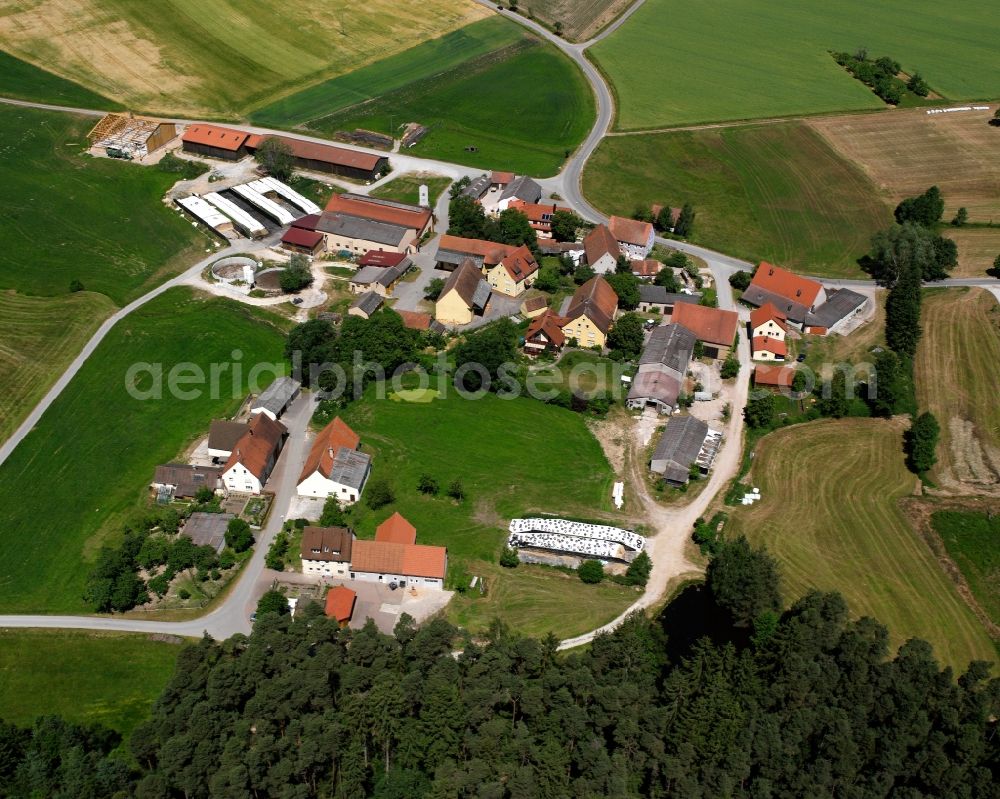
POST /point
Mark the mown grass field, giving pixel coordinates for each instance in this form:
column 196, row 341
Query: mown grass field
column 957, row 381
column 978, row 248
column 24, row 81
column 39, row 337
column 908, row 150
column 513, row 458
column 971, row 540
column 536, row 601
column 85, row 677
column 522, row 108
column 67, row 488
column 406, row 188
column 774, row 192
column 183, row 56
column 390, row 73
column 675, row 63
column 69, row 216
column 830, row 516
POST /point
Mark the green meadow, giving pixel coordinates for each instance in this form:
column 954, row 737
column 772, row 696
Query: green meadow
column 512, row 457
column 389, row 74
column 539, row 105
column 677, row 63
column 68, row 216
column 23, row 81
column 762, row 192
column 85, row 677
column 71, row 483
column 971, row 540
column 406, row 188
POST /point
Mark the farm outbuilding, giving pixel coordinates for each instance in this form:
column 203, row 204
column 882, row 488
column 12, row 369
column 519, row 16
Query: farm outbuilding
column 308, row 242
column 131, row 135
column 215, row 142
column 327, row 158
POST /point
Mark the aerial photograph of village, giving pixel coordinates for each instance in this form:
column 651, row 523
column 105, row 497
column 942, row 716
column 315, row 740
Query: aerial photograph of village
column 462, row 399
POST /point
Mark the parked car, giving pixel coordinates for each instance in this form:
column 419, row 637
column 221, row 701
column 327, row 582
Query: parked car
column 801, row 358
column 297, row 301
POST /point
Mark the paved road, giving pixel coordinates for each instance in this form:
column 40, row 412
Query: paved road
column 233, row 615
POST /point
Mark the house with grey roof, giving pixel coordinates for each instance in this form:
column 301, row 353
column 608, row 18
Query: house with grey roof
column 380, row 279
column 276, row 397
column 663, row 366
column 521, row 188
column 365, row 305
column 477, row 188
column 841, row 306
column 679, row 447
column 354, row 234
column 656, row 299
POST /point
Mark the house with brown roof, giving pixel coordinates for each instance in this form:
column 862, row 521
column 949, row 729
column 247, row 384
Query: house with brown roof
column 396, row 530
column 713, row 327
column 464, row 297
column 307, row 242
column 254, row 455
column 515, row 273
column 647, row 268
column 394, row 558
column 539, row 215
column 339, row 604
column 768, row 327
column 453, row 250
column 590, row 313
column 335, row 467
column 326, row 551
column 601, row 250
column 793, row 296
column 222, row 437
column 417, row 320
column 182, row 480
column 544, row 334
column 777, row 378
column 634, row 237
column 768, row 348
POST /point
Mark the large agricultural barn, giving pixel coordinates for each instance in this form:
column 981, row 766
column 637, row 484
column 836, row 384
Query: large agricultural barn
column 232, row 145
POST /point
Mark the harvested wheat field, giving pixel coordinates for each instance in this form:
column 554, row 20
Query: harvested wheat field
column 831, row 517
column 977, row 249
column 905, row 151
column 956, row 375
column 581, row 19
column 219, row 58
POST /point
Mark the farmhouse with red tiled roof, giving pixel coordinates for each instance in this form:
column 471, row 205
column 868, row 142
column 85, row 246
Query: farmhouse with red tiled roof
column 394, row 557
column 790, row 294
column 713, row 327
column 254, row 455
column 544, row 334
column 334, row 466
column 601, row 250
column 633, row 236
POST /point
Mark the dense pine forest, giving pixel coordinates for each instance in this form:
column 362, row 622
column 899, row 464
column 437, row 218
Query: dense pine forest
column 723, row 696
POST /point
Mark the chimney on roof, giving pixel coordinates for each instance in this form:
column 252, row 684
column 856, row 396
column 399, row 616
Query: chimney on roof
column 770, row 271
column 330, row 450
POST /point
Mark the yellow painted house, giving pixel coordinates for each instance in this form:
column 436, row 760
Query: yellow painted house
column 464, row 296
column 591, row 312
column 515, row 272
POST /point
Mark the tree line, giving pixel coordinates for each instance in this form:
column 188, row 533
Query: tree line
column 727, row 694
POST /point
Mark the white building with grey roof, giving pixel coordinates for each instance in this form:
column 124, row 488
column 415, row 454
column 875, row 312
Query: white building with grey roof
column 276, row 397
column 663, row 366
column 685, row 441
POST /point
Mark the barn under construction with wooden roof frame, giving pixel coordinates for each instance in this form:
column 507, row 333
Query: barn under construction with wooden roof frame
column 126, row 135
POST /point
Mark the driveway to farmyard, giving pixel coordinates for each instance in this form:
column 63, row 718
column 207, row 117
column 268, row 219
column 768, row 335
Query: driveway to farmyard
column 672, row 526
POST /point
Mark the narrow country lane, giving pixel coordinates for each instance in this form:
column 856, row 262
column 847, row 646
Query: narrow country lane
column 672, row 525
